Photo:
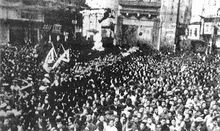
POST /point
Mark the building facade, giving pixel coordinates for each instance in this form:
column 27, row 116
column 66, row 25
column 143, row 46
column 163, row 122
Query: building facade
column 18, row 22
column 139, row 22
column 194, row 31
column 31, row 20
column 99, row 20
column 129, row 22
column 168, row 14
column 207, row 18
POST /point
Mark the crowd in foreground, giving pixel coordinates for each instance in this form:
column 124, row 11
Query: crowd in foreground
column 133, row 93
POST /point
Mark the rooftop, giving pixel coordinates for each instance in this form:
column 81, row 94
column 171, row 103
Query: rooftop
column 140, row 3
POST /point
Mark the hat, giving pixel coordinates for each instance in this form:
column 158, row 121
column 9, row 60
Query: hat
column 129, row 108
column 46, row 75
column 46, row 80
column 42, row 88
column 71, row 127
column 53, row 129
column 3, row 105
column 5, row 84
column 107, row 112
column 199, row 119
column 15, row 80
column 58, row 117
column 144, row 120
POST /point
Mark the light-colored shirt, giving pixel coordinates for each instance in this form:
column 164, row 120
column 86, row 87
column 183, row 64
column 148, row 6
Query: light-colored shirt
column 152, row 126
column 113, row 128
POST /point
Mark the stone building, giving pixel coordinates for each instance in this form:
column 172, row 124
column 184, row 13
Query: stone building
column 100, row 18
column 130, row 22
column 205, row 22
column 19, row 22
column 139, row 21
column 169, row 16
column 28, row 20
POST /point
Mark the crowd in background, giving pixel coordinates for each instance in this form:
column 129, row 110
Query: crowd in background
column 112, row 93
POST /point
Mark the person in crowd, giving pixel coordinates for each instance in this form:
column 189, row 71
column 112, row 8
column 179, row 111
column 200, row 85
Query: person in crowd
column 111, row 126
column 141, row 91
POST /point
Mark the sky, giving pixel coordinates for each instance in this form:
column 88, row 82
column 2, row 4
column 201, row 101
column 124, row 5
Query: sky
column 101, row 3
column 197, row 6
column 210, row 8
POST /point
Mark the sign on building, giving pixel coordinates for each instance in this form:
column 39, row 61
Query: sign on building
column 208, row 28
column 29, row 15
column 56, row 28
column 47, row 27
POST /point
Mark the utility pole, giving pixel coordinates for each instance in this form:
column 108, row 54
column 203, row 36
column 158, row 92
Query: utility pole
column 160, row 27
column 177, row 27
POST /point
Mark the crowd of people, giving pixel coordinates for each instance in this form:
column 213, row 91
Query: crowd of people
column 139, row 92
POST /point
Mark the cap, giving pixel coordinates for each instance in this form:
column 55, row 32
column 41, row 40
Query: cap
column 46, row 75
column 199, row 119
column 46, row 80
column 42, row 88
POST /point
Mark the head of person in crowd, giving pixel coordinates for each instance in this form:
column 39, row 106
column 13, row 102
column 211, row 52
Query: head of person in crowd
column 134, row 93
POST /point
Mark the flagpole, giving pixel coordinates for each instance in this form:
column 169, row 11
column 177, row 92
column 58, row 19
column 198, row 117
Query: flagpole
column 63, row 47
column 176, row 40
column 53, row 47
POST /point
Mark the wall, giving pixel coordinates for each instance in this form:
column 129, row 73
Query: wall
column 17, row 21
column 194, row 32
column 169, row 16
column 141, row 31
column 4, row 32
column 218, row 41
column 90, row 22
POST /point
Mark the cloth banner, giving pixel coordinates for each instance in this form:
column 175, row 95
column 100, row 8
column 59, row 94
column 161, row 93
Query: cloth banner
column 50, row 58
column 64, row 57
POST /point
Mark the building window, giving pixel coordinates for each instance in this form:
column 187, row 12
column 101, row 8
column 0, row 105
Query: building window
column 171, row 19
column 195, row 32
column 207, row 28
column 29, row 15
column 190, row 32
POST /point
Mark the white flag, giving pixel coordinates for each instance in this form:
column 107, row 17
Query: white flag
column 50, row 58
column 64, row 57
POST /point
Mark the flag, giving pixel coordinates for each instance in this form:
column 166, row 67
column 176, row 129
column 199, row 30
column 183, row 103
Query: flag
column 50, row 58
column 64, row 57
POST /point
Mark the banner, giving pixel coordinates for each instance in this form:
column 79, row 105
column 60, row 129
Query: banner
column 64, row 57
column 50, row 58
column 56, row 28
column 47, row 27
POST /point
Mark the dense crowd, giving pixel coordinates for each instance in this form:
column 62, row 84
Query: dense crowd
column 112, row 93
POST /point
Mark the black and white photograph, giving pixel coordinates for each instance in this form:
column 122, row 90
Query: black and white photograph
column 109, row 65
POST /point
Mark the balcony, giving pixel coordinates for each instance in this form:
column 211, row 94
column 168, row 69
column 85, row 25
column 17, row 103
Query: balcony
column 141, row 3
